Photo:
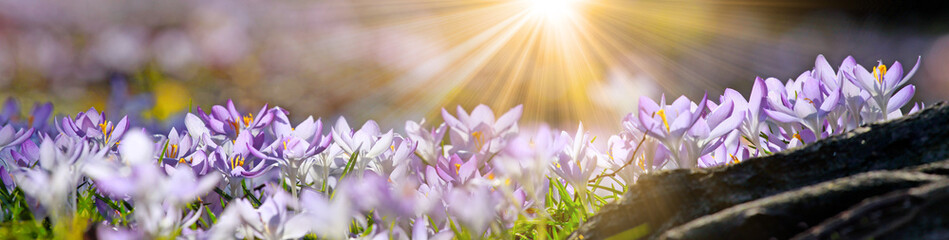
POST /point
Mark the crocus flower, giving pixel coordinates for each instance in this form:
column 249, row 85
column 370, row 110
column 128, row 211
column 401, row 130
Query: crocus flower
column 480, row 133
column 755, row 116
column 231, row 157
column 177, row 147
column 399, row 162
column 806, row 101
column 577, row 163
column 369, row 141
column 707, row 133
column 297, row 143
column 429, row 141
column 38, row 118
column 295, row 146
column 27, row 155
column 669, row 123
column 526, row 160
column 474, row 208
column 620, row 150
column 10, row 137
column 240, row 159
column 10, row 110
column 53, row 184
column 729, row 152
column 456, row 171
column 158, row 198
column 272, row 220
column 228, row 121
column 92, row 125
column 328, row 218
column 885, row 86
column 373, row 192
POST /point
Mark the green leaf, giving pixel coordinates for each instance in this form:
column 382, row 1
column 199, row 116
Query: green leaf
column 249, row 194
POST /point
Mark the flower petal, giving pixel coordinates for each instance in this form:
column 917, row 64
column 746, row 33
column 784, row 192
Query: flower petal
column 893, row 76
column 900, row 98
column 910, row 74
column 509, row 119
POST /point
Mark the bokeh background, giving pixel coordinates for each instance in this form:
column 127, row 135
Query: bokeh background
column 393, row 60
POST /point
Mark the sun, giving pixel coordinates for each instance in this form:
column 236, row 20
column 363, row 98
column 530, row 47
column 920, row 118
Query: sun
column 552, row 10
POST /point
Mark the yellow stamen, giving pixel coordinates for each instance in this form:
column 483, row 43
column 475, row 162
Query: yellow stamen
column 479, row 139
column 457, row 168
column 507, row 181
column 236, row 127
column 878, row 72
column 734, row 159
column 798, row 136
column 558, row 165
column 248, row 119
column 490, row 176
column 594, row 139
column 642, row 162
column 105, row 130
column 662, row 114
column 172, row 151
column 284, row 145
column 237, row 161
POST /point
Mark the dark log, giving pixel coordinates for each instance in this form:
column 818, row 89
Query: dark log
column 918, row 213
column 784, row 215
column 659, row 202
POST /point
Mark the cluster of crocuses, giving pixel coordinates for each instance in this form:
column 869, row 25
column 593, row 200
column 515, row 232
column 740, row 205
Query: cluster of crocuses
column 230, row 174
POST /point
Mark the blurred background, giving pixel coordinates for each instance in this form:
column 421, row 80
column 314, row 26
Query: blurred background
column 397, row 60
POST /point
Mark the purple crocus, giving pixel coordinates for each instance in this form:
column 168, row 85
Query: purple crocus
column 399, row 162
column 885, row 86
column 297, row 143
column 670, row 123
column 10, row 137
column 92, row 125
column 577, row 163
column 526, row 159
column 240, row 159
column 805, row 101
column 228, row 121
column 753, row 108
column 480, row 133
column 177, row 147
column 429, row 141
column 10, row 110
column 729, row 152
column 27, row 155
column 707, row 133
column 38, row 118
column 328, row 218
column 294, row 146
column 456, row 171
column 369, row 141
column 649, row 158
column 272, row 220
column 158, row 198
column 474, row 207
